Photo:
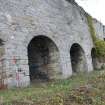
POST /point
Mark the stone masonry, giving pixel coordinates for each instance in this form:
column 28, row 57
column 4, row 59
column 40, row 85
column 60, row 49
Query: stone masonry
column 49, row 36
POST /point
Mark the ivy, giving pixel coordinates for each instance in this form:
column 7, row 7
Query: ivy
column 98, row 43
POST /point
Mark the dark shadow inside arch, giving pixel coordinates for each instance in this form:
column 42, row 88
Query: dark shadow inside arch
column 2, row 70
column 97, row 61
column 94, row 58
column 78, row 59
column 43, row 58
column 1, row 48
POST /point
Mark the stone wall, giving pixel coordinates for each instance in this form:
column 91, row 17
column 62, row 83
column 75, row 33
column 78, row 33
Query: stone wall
column 99, row 28
column 99, row 63
column 63, row 22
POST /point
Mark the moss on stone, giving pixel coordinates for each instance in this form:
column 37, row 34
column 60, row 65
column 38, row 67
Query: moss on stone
column 100, row 48
column 91, row 27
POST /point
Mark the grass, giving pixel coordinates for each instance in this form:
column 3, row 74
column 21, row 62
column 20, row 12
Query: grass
column 41, row 92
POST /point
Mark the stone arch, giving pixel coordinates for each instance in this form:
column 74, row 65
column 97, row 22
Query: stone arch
column 78, row 59
column 43, row 56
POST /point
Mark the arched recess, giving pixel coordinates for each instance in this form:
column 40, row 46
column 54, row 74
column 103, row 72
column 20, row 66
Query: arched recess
column 96, row 61
column 78, row 59
column 2, row 70
column 2, row 51
column 43, row 56
column 93, row 55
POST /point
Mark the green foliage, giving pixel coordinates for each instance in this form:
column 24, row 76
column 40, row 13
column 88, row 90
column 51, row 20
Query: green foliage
column 91, row 27
column 98, row 43
column 83, row 89
column 57, row 100
column 100, row 48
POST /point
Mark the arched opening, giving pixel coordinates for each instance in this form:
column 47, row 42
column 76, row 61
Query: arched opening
column 94, row 58
column 43, row 58
column 1, row 48
column 78, row 59
column 2, row 70
column 98, row 62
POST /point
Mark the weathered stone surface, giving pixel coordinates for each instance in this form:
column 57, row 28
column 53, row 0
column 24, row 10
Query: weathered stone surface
column 99, row 28
column 61, row 21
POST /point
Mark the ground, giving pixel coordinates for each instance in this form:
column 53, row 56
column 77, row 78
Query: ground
column 81, row 89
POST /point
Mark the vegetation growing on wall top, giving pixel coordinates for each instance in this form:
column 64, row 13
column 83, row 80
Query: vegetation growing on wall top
column 91, row 28
column 98, row 43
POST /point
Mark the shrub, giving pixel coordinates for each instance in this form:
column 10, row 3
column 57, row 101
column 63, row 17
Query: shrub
column 100, row 48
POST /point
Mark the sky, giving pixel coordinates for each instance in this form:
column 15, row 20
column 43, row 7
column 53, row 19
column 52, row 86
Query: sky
column 95, row 8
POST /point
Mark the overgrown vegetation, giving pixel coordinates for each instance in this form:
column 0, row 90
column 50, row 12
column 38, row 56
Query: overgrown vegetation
column 100, row 48
column 98, row 43
column 91, row 28
column 82, row 89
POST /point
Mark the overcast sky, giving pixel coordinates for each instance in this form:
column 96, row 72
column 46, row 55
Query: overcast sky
column 94, row 7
